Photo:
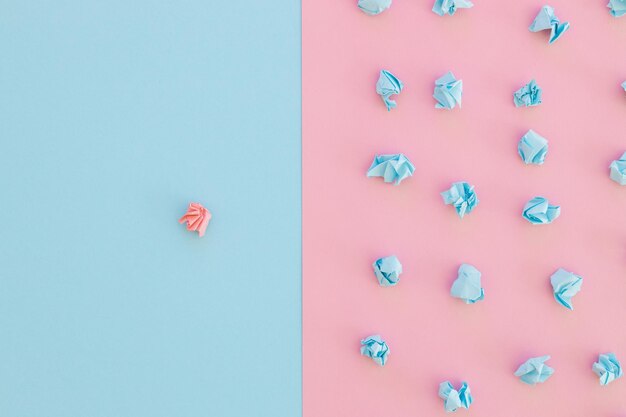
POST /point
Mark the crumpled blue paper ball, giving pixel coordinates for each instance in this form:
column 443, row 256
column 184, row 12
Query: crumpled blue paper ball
column 624, row 83
column 448, row 91
column 532, row 148
column 387, row 270
column 618, row 8
column 454, row 399
column 607, row 368
column 375, row 347
column 374, row 7
column 539, row 211
column 443, row 7
column 565, row 285
column 534, row 370
column 528, row 96
column 393, row 168
column 386, row 86
column 462, row 196
column 618, row 170
column 546, row 19
column 467, row 285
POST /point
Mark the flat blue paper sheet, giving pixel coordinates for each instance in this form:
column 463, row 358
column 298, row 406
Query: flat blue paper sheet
column 534, row 370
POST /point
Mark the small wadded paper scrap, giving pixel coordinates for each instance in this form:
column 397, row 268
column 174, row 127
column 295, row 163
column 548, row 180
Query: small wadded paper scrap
column 534, row 370
column 461, row 195
column 546, row 19
column 528, row 96
column 392, row 168
column 197, row 218
column 532, row 148
column 467, row 285
column 539, row 211
column 448, row 91
column 618, row 8
column 444, row 7
column 387, row 270
column 374, row 7
column 454, row 399
column 565, row 285
column 607, row 368
column 375, row 347
column 618, row 170
column 387, row 86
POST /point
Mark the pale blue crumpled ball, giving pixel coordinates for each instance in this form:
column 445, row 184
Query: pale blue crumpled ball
column 540, row 211
column 393, row 168
column 454, row 399
column 607, row 368
column 565, row 285
column 375, row 347
column 448, row 91
column 443, row 7
column 374, row 7
column 528, row 96
column 532, row 148
column 618, row 8
column 462, row 196
column 546, row 19
column 618, row 170
column 534, row 370
column 387, row 270
column 467, row 286
column 387, row 86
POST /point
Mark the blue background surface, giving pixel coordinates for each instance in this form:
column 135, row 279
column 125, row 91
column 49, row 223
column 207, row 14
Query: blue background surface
column 114, row 116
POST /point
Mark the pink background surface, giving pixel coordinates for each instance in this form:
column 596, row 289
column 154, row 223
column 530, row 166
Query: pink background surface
column 350, row 220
